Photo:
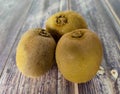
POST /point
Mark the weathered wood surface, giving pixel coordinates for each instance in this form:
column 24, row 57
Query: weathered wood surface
column 115, row 6
column 12, row 16
column 16, row 17
column 112, row 8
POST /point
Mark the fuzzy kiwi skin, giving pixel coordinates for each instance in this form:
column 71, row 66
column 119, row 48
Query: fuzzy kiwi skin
column 63, row 22
column 35, row 52
column 78, row 55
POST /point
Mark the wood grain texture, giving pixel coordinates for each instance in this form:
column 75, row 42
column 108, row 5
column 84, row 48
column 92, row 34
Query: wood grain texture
column 12, row 15
column 34, row 13
column 116, row 6
column 113, row 10
column 110, row 8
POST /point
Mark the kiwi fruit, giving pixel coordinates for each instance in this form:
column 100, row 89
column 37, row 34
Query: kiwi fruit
column 35, row 52
column 63, row 22
column 79, row 55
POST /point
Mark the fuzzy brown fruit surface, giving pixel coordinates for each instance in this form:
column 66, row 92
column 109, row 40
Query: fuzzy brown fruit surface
column 63, row 22
column 35, row 52
column 79, row 55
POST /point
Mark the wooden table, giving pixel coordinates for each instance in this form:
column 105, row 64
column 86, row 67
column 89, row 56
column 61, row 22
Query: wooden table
column 17, row 16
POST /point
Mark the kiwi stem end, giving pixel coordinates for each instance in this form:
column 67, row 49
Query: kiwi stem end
column 77, row 34
column 43, row 32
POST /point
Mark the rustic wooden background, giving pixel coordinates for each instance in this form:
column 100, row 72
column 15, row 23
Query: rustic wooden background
column 17, row 16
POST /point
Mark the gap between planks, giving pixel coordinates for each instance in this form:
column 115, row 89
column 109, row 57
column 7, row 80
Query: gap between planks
column 112, row 11
column 76, row 88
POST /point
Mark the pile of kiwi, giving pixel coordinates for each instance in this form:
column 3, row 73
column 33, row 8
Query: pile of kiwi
column 77, row 50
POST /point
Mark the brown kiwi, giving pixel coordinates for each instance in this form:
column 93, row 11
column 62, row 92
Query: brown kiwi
column 35, row 52
column 63, row 22
column 79, row 55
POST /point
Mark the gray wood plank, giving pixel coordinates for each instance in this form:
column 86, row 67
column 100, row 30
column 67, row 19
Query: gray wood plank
column 111, row 11
column 116, row 6
column 64, row 86
column 12, row 15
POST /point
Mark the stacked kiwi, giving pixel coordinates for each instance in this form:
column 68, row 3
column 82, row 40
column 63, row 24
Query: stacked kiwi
column 67, row 39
